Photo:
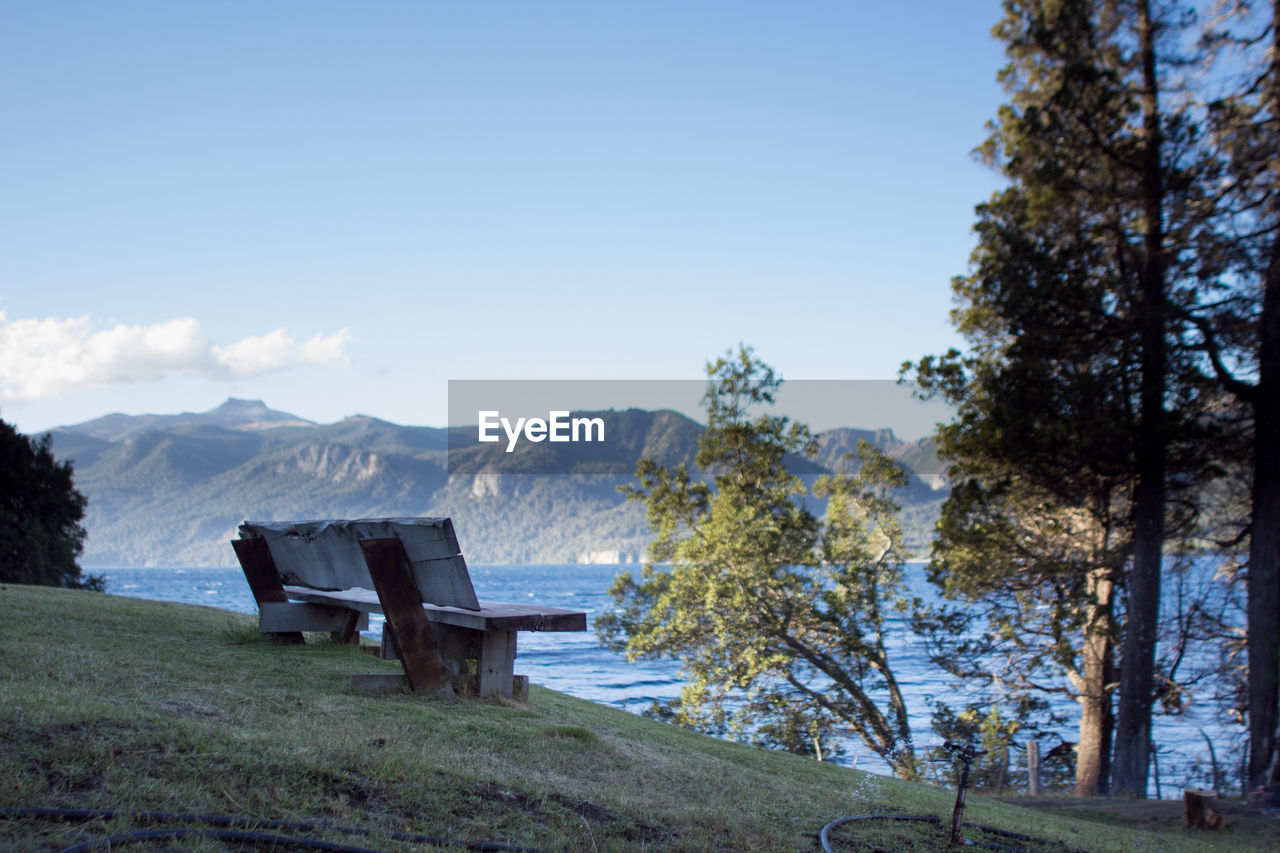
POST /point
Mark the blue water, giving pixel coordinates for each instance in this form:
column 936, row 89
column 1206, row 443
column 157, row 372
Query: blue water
column 574, row 662
column 570, row 662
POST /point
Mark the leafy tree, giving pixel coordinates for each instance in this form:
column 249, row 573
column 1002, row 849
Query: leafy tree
column 777, row 617
column 1079, row 433
column 40, row 514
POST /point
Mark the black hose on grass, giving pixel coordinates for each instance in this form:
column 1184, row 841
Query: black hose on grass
column 825, row 835
column 234, row 822
column 217, row 834
column 1005, row 833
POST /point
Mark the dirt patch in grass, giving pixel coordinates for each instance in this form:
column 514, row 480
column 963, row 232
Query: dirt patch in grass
column 1245, row 822
column 68, row 758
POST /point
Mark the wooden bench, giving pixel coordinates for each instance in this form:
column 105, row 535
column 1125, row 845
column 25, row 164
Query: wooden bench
column 329, row 575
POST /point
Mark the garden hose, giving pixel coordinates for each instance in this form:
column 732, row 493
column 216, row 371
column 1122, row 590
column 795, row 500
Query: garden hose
column 825, row 835
column 236, row 828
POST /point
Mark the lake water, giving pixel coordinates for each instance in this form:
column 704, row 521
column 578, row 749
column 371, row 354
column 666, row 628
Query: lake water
column 575, row 663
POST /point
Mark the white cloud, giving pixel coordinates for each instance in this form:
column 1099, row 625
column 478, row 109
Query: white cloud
column 276, row 350
column 48, row 356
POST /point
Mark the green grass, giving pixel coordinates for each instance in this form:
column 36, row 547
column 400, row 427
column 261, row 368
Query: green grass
column 114, row 703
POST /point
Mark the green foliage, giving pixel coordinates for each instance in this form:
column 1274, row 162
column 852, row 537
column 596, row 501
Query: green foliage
column 776, row 616
column 1032, row 578
column 40, row 513
column 989, row 732
column 1003, row 738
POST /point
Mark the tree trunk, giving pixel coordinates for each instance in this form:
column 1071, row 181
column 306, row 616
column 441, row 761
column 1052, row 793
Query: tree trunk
column 1264, row 559
column 1093, row 750
column 1264, row 550
column 1137, row 675
column 1264, row 546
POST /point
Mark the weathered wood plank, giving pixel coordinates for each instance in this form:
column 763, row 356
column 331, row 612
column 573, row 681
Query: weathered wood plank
column 518, row 617
column 349, row 631
column 402, row 605
column 326, row 554
column 457, row 644
column 282, row 616
column 440, row 581
column 364, row 600
column 492, row 615
column 259, row 570
column 387, row 648
column 263, row 578
column 496, row 668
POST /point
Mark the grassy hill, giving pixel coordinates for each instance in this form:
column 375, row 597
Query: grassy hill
column 128, row 705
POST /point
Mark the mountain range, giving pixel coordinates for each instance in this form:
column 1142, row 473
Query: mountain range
column 170, row 490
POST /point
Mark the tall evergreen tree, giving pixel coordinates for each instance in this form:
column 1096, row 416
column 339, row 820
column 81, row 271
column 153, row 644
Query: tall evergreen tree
column 40, row 513
column 1036, row 529
column 1074, row 405
column 1131, row 760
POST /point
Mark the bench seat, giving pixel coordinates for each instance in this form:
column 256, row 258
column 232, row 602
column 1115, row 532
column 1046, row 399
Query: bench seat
column 492, row 615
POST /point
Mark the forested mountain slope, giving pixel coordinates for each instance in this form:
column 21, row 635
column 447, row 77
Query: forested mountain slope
column 171, row 489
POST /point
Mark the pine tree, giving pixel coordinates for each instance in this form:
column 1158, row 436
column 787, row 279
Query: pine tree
column 1077, row 403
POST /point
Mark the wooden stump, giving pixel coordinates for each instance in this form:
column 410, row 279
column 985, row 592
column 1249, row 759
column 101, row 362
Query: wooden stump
column 1199, row 811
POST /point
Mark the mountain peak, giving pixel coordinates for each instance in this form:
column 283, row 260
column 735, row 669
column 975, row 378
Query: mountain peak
column 237, row 404
column 235, row 413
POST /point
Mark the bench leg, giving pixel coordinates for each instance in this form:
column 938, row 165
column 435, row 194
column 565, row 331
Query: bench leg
column 388, row 650
column 264, row 580
column 497, row 663
column 402, row 606
column 275, row 617
column 350, row 632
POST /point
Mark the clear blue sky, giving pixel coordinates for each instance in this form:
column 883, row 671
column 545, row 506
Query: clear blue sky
column 336, row 207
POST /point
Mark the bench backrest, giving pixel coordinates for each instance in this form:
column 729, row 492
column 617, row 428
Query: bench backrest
column 326, row 554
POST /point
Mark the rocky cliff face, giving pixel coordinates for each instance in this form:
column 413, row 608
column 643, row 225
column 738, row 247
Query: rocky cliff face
column 335, row 463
